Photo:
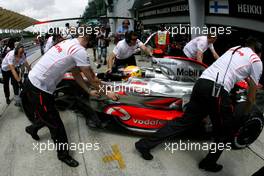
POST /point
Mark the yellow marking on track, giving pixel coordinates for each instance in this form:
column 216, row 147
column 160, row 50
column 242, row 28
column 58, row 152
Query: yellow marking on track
column 116, row 156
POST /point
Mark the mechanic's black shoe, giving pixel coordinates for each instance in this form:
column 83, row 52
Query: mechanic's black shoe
column 105, row 123
column 8, row 101
column 33, row 134
column 95, row 124
column 91, row 123
column 211, row 167
column 98, row 66
column 145, row 153
column 105, row 62
column 69, row 160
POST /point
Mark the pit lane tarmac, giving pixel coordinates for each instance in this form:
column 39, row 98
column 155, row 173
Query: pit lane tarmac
column 116, row 155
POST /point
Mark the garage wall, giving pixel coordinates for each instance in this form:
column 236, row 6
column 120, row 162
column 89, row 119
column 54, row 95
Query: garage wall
column 173, row 19
column 235, row 22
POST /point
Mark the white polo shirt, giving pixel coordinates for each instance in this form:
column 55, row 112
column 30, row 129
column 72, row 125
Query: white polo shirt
column 49, row 44
column 52, row 66
column 245, row 63
column 11, row 60
column 198, row 43
column 123, row 51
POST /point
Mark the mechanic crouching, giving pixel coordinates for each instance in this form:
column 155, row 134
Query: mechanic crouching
column 42, row 81
column 210, row 96
column 10, row 70
column 123, row 53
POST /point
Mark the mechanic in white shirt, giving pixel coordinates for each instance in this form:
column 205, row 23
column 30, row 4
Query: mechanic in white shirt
column 12, row 61
column 67, row 32
column 197, row 46
column 68, row 55
column 52, row 40
column 123, row 53
column 210, row 98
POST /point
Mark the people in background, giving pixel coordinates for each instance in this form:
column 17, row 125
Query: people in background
column 10, row 70
column 120, row 32
column 53, row 39
column 139, row 28
column 93, row 42
column 102, row 44
column 67, row 34
column 162, row 39
column 8, row 47
column 41, row 41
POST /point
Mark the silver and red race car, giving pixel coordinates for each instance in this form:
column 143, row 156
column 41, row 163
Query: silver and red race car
column 151, row 97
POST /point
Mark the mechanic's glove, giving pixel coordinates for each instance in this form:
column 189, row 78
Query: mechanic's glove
column 109, row 71
column 94, row 93
column 150, row 54
column 113, row 96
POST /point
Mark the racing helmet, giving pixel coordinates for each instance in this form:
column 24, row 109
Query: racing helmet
column 133, row 71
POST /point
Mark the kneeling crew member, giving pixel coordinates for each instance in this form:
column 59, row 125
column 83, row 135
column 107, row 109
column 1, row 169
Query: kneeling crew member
column 42, row 82
column 210, row 96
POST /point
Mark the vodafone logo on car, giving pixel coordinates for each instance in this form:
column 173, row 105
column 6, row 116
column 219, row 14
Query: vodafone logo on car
column 117, row 111
column 149, row 122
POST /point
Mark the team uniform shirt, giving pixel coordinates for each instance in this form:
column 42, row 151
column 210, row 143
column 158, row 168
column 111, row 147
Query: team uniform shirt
column 123, row 51
column 198, row 43
column 51, row 67
column 245, row 63
column 49, row 44
column 67, row 34
column 10, row 59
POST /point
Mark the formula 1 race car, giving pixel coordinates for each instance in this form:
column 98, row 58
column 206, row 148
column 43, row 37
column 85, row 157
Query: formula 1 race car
column 151, row 97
